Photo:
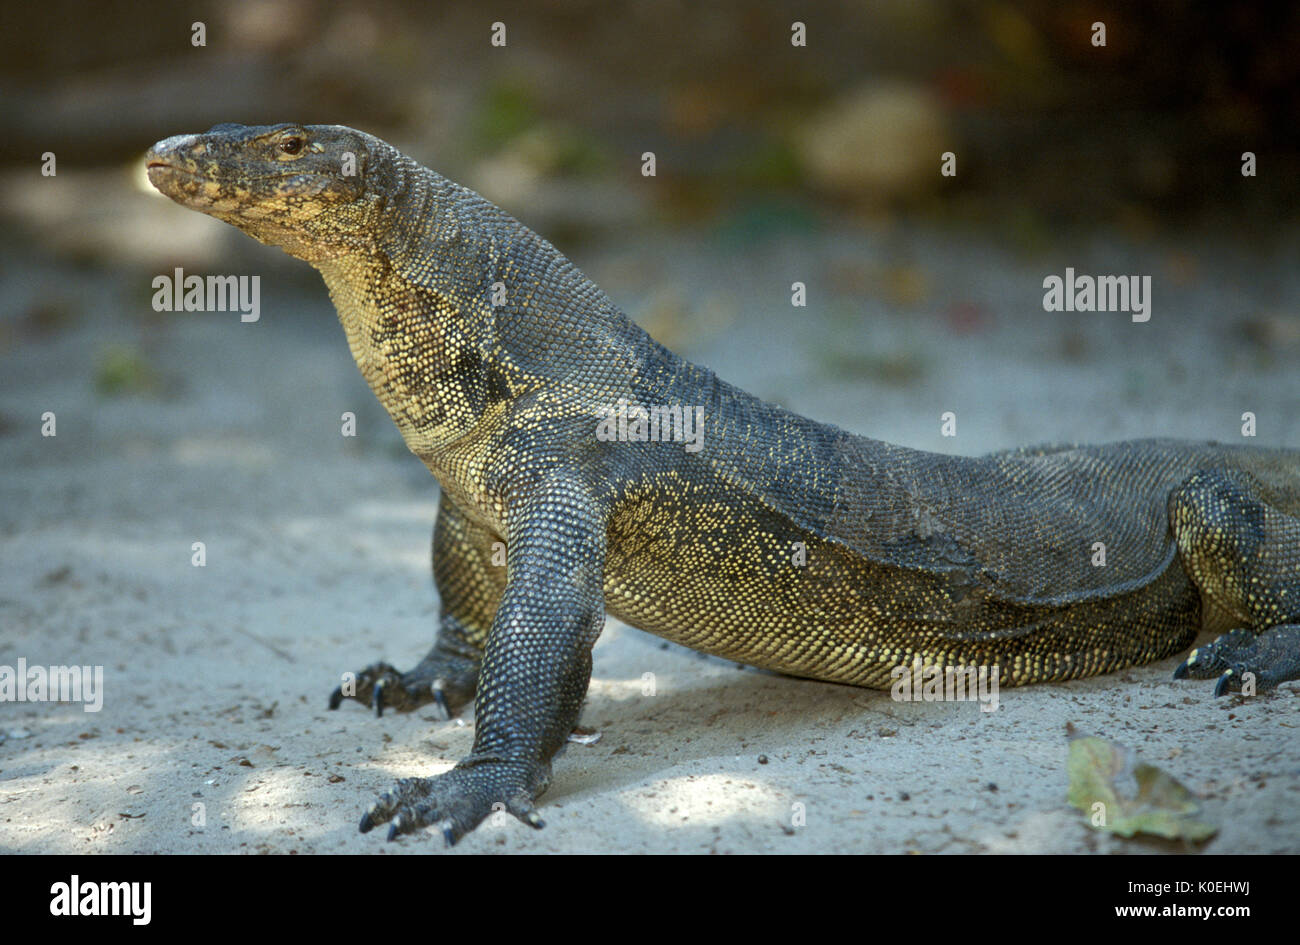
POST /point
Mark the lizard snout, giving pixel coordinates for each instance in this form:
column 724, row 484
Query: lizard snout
column 172, row 168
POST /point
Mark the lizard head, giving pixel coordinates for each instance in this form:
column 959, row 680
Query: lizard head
column 286, row 185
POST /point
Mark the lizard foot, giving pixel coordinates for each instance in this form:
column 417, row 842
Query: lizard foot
column 382, row 687
column 1269, row 658
column 456, row 801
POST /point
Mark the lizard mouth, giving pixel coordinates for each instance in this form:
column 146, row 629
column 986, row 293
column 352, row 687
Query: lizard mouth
column 166, row 168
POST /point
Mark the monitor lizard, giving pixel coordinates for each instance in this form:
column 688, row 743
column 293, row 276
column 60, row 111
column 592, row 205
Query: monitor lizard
column 777, row 541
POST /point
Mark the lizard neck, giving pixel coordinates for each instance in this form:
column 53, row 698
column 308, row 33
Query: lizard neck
column 412, row 348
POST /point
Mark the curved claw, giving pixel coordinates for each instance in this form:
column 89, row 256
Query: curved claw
column 440, row 702
column 367, row 824
column 448, row 836
column 1221, row 686
column 377, row 699
column 1180, row 671
column 336, row 697
column 534, row 820
column 393, row 833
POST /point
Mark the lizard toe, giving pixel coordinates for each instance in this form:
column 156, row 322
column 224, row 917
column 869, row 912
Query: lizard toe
column 361, row 687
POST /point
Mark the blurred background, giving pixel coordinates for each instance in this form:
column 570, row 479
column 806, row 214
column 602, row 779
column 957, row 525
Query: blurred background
column 1048, row 126
column 775, row 164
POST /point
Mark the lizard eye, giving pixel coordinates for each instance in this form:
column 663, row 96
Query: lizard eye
column 291, row 145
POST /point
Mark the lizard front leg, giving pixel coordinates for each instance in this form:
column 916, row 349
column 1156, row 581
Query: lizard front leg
column 535, row 670
column 469, row 587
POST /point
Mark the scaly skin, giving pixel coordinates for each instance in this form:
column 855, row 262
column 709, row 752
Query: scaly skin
column 782, row 542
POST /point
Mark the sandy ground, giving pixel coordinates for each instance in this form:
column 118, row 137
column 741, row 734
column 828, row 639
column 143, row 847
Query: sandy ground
column 216, row 678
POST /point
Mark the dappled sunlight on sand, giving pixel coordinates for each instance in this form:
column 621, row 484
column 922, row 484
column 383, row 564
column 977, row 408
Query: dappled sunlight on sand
column 707, row 799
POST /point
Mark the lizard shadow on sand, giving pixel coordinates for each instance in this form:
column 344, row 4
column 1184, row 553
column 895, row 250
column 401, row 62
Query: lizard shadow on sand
column 733, row 713
column 739, row 713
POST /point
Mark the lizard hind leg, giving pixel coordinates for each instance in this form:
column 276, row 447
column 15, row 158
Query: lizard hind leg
column 469, row 583
column 1243, row 554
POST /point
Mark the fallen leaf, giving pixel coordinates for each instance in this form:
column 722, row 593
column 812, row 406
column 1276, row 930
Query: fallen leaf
column 1160, row 806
